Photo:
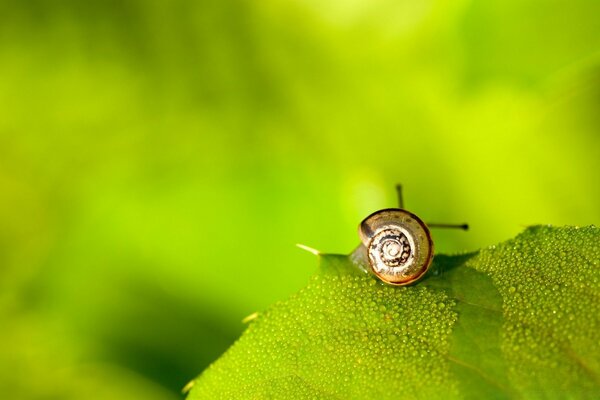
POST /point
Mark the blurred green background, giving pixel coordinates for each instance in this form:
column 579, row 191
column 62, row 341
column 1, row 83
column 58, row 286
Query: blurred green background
column 159, row 160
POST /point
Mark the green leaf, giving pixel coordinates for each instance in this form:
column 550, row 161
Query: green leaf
column 521, row 319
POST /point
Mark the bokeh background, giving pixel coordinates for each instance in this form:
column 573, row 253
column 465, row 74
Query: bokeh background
column 160, row 159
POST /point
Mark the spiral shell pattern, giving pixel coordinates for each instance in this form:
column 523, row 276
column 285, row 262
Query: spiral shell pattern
column 398, row 244
column 390, row 247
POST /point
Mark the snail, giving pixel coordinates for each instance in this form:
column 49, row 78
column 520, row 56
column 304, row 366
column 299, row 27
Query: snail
column 398, row 244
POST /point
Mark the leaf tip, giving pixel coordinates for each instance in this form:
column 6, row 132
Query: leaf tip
column 188, row 386
column 309, row 249
column 250, row 317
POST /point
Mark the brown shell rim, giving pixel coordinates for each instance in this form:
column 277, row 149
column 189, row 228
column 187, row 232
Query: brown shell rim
column 429, row 256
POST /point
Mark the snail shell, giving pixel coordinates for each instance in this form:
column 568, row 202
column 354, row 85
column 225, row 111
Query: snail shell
column 398, row 244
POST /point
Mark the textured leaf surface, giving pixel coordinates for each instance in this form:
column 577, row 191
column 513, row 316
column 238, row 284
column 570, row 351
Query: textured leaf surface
column 520, row 319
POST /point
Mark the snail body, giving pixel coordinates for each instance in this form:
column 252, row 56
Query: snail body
column 398, row 245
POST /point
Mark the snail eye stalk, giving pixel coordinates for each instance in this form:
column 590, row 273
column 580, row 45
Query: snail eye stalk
column 400, row 198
